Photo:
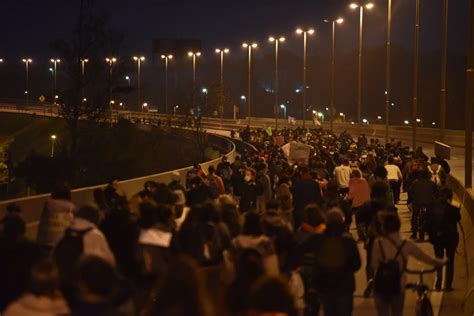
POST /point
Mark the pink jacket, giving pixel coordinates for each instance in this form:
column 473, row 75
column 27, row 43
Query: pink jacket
column 359, row 192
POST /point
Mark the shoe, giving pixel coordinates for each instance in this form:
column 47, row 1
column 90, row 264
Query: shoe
column 368, row 289
column 448, row 289
column 413, row 236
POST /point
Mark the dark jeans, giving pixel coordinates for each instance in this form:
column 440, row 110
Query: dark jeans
column 395, row 186
column 337, row 305
column 439, row 250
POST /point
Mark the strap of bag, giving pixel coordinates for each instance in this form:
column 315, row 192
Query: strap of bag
column 399, row 248
column 381, row 250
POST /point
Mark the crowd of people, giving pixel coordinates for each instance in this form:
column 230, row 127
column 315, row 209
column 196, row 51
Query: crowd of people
column 261, row 235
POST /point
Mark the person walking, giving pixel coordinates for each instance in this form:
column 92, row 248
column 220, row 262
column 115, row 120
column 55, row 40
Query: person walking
column 57, row 215
column 421, row 197
column 389, row 292
column 395, row 178
column 342, row 175
column 359, row 194
column 441, row 225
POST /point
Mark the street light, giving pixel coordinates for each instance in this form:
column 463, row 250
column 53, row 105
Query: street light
column 333, row 63
column 305, row 36
column 361, row 7
column 249, row 92
column 343, row 116
column 55, row 62
column 129, row 81
column 53, row 141
column 194, row 55
column 144, row 106
column 365, row 121
column 444, row 54
column 139, row 60
column 388, row 69
column 415, row 70
column 83, row 71
column 282, row 106
column 275, row 40
column 407, row 122
column 166, row 58
column 175, row 108
column 221, row 52
column 27, row 62
column 111, row 61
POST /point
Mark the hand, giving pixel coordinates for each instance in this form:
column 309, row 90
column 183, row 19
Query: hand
column 444, row 262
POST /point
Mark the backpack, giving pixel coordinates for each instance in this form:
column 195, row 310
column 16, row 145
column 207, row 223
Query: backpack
column 331, row 254
column 213, row 186
column 437, row 225
column 388, row 275
column 67, row 253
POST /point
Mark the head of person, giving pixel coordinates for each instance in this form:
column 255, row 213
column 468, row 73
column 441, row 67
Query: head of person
column 89, row 213
column 271, row 295
column 224, row 158
column 345, row 162
column 12, row 227
column 249, row 175
column 44, row 279
column 335, row 222
column 390, row 222
column 97, row 279
column 148, row 214
column 380, row 172
column 61, row 191
column 211, row 170
column 150, row 186
column 356, row 173
column 313, row 215
column 391, row 160
column 163, row 195
column 252, row 225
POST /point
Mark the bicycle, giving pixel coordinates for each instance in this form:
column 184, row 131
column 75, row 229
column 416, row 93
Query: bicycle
column 423, row 303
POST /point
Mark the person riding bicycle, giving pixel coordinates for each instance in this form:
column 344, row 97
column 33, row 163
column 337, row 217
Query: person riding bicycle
column 421, row 196
column 391, row 247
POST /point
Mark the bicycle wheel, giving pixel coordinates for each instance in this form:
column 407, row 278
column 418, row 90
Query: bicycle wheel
column 424, row 307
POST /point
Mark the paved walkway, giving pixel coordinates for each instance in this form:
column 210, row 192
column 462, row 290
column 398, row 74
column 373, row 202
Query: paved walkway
column 366, row 307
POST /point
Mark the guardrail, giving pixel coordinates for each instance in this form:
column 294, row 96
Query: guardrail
column 33, row 205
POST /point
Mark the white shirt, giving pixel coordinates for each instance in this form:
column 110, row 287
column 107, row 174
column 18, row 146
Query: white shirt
column 393, row 173
column 342, row 174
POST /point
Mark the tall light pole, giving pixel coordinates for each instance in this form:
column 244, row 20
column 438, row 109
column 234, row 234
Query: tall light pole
column 139, row 60
column 277, row 41
column 444, row 56
column 111, row 61
column 27, row 62
column 55, row 62
column 361, row 7
column 166, row 58
column 388, row 70
column 305, row 50
column 83, row 73
column 469, row 102
column 415, row 73
column 194, row 55
column 333, row 65
column 221, row 53
column 249, row 47
column 53, row 142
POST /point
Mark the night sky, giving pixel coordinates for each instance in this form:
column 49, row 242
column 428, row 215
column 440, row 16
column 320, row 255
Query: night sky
column 31, row 24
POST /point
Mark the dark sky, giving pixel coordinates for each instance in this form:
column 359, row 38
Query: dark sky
column 29, row 25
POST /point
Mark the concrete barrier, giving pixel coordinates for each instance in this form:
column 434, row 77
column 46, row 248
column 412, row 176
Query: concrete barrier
column 467, row 234
column 33, row 205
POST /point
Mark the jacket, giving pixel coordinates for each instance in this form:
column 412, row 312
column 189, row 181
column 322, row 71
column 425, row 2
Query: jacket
column 57, row 215
column 32, row 305
column 95, row 243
